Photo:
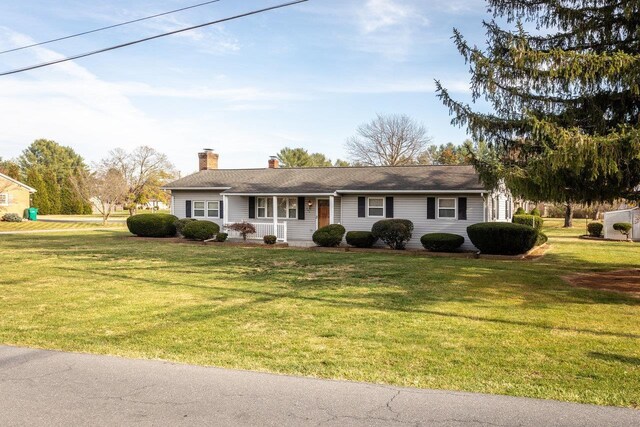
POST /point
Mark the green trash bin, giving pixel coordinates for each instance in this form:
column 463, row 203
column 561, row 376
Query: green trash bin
column 33, row 214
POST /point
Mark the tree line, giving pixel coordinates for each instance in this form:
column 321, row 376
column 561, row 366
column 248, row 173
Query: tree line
column 66, row 185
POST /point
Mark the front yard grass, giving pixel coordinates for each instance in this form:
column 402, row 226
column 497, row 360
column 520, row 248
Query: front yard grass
column 43, row 225
column 507, row 327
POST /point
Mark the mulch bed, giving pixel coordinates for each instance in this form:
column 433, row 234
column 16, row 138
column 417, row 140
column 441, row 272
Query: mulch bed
column 625, row 281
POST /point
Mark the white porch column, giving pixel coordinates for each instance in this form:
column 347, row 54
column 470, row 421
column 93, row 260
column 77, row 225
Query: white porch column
column 331, row 209
column 275, row 216
column 225, row 209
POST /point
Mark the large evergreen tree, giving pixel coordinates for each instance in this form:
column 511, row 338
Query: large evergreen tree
column 563, row 79
column 58, row 174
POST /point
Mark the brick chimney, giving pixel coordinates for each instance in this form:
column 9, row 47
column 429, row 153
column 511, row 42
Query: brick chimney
column 273, row 162
column 208, row 160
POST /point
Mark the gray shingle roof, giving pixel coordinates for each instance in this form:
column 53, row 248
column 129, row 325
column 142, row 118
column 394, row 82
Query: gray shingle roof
column 330, row 180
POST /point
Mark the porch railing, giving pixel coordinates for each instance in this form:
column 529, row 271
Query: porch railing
column 263, row 229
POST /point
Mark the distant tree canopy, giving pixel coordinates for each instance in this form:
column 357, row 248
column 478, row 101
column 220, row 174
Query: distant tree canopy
column 145, row 171
column 10, row 168
column 388, row 140
column 301, row 158
column 58, row 174
column 565, row 125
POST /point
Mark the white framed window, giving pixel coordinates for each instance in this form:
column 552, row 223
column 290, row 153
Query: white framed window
column 265, row 207
column 287, row 207
column 447, row 208
column 375, row 207
column 213, row 209
column 198, row 209
column 4, row 199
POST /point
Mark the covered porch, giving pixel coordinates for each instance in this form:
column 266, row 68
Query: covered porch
column 289, row 217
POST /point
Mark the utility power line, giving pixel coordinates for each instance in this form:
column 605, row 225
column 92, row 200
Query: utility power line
column 109, row 27
column 95, row 52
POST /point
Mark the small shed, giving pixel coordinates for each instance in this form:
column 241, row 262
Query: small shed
column 632, row 216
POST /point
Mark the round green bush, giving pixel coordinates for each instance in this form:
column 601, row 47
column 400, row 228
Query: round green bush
column 361, row 239
column 623, row 227
column 181, row 223
column 441, row 242
column 530, row 220
column 520, row 211
column 535, row 212
column 329, row 236
column 152, row 225
column 221, row 237
column 200, row 230
column 395, row 233
column 11, row 217
column 270, row 239
column 595, row 229
column 541, row 239
column 502, row 238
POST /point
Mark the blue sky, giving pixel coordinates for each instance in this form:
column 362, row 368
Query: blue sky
column 304, row 76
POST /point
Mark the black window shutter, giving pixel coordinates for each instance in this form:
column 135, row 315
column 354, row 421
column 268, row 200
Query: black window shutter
column 431, row 208
column 301, row 207
column 252, row 207
column 389, row 207
column 362, row 207
column 187, row 209
column 462, row 208
column 221, row 209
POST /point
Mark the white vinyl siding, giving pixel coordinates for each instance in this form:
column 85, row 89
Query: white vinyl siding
column 414, row 208
column 180, row 197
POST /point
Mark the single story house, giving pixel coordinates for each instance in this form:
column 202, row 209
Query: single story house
column 15, row 196
column 292, row 203
column 631, row 216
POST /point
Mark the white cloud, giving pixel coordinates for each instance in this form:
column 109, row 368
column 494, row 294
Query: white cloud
column 381, row 14
column 71, row 105
column 399, row 86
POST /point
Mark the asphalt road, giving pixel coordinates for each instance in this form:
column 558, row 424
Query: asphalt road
column 54, row 388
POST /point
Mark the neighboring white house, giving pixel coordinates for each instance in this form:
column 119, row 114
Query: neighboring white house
column 632, row 216
column 292, row 203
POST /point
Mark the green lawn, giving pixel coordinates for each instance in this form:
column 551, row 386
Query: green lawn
column 41, row 225
column 508, row 327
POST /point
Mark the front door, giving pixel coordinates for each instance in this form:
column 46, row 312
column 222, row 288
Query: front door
column 323, row 213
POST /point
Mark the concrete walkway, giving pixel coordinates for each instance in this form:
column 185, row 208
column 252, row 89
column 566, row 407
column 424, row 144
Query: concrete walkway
column 54, row 388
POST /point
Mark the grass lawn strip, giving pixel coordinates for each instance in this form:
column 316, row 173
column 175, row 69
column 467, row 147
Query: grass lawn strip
column 506, row 327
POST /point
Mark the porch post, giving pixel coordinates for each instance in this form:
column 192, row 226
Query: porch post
column 275, row 216
column 225, row 207
column 331, row 210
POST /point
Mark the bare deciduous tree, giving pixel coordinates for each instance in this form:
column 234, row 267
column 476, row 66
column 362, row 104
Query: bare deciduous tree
column 388, row 140
column 108, row 188
column 145, row 170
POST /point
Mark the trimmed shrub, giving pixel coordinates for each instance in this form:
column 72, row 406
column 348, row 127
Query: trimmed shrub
column 361, row 239
column 502, row 238
column 530, row 220
column 441, row 242
column 535, row 212
column 221, row 237
column 152, row 225
column 595, row 229
column 200, row 230
column 520, row 211
column 623, row 227
column 541, row 239
column 395, row 233
column 329, row 236
column 11, row 217
column 244, row 228
column 270, row 239
column 181, row 223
